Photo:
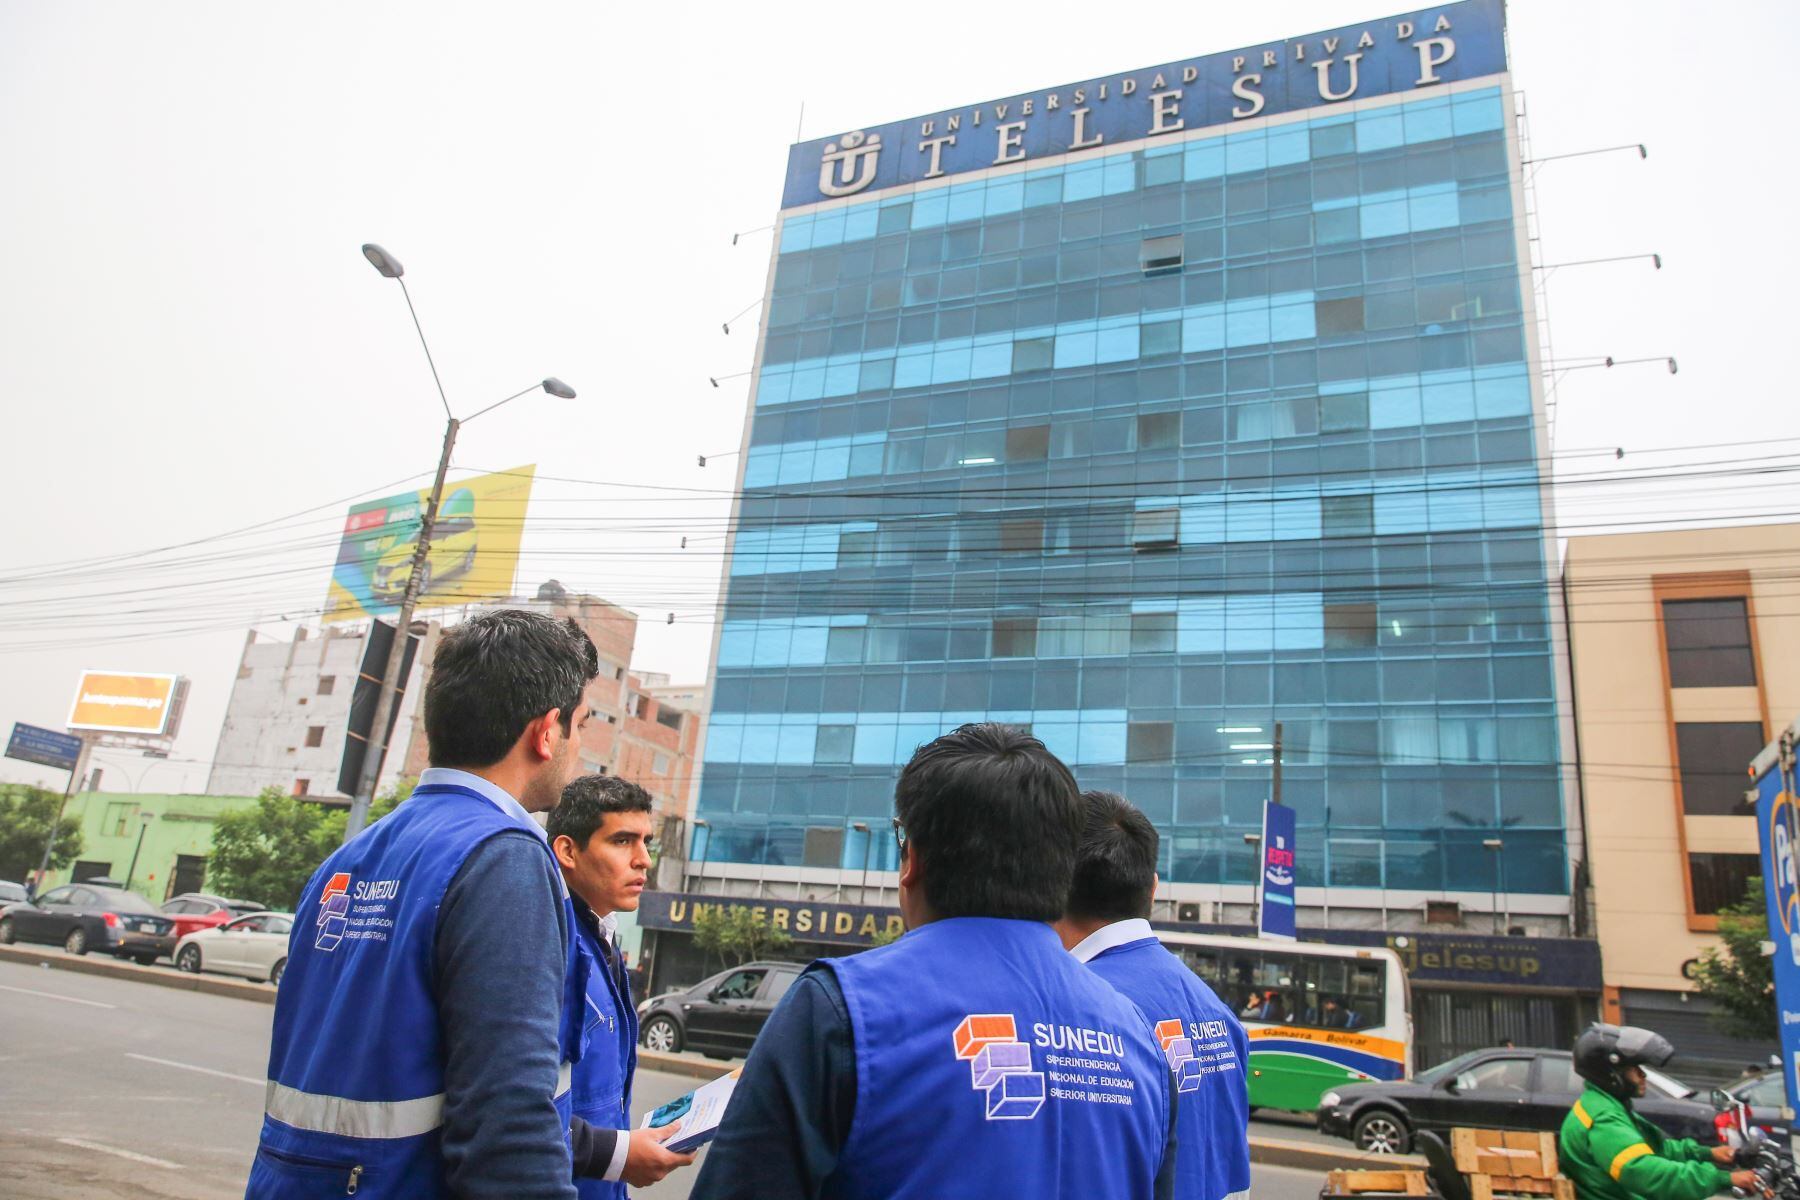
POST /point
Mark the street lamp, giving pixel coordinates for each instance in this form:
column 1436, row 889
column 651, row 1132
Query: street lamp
column 868, row 844
column 1497, row 845
column 1254, row 840
column 144, row 819
column 699, row 824
column 376, row 749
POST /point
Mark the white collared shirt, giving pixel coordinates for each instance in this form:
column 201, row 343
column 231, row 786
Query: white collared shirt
column 1119, row 933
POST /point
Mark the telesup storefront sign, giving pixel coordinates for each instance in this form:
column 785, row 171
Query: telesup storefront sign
column 803, row 920
column 1420, row 49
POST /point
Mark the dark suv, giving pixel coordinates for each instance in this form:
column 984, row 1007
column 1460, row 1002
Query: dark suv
column 1501, row 1088
column 719, row 1016
column 88, row 916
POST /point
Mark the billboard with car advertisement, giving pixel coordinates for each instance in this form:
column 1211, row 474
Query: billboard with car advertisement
column 474, row 546
column 124, row 702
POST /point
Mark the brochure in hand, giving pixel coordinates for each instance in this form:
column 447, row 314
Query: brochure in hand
column 698, row 1112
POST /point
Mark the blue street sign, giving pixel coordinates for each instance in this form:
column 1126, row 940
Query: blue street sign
column 1276, row 885
column 1778, row 833
column 46, row 747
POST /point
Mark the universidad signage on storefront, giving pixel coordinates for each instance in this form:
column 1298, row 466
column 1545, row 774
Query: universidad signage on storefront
column 1422, row 49
column 803, row 920
column 1778, row 833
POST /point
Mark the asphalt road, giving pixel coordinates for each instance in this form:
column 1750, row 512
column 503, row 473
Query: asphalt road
column 115, row 1088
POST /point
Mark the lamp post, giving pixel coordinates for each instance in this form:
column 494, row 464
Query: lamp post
column 144, row 819
column 699, row 824
column 376, row 749
column 1497, row 845
column 868, row 843
column 1254, row 841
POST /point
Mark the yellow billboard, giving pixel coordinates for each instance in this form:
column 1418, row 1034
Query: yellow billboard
column 123, row 702
column 474, row 546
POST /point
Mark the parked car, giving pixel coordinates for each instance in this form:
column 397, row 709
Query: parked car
column 90, row 916
column 719, row 1016
column 1500, row 1088
column 12, row 893
column 1762, row 1089
column 198, row 910
column 255, row 947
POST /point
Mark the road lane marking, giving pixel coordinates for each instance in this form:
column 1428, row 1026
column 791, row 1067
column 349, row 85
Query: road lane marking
column 133, row 1155
column 56, row 996
column 169, row 1062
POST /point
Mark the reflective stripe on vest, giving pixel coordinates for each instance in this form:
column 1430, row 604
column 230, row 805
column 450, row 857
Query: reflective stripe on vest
column 368, row 1118
column 1581, row 1114
column 1624, row 1157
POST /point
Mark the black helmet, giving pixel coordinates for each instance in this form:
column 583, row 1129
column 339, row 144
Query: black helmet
column 1603, row 1052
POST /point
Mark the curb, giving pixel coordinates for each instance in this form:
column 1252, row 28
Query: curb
column 695, row 1066
column 168, row 977
column 1278, row 1152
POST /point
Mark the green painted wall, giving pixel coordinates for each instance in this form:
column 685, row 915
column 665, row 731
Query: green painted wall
column 110, row 822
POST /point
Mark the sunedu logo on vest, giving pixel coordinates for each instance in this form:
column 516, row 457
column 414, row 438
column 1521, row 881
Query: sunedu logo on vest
column 1180, row 1049
column 334, row 912
column 1000, row 1066
column 355, row 912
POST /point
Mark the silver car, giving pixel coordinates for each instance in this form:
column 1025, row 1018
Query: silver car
column 255, row 947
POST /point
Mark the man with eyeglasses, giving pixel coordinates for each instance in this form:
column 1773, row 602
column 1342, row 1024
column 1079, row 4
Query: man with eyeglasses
column 974, row 1057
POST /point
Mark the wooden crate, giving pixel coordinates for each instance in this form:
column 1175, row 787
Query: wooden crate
column 1487, row 1187
column 1376, row 1183
column 1505, row 1153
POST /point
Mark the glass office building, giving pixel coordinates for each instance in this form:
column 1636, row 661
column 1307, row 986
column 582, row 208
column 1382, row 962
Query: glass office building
column 1153, row 445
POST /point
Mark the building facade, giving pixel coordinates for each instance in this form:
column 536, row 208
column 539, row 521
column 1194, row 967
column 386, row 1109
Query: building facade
column 290, row 708
column 158, row 843
column 1160, row 413
column 1686, row 652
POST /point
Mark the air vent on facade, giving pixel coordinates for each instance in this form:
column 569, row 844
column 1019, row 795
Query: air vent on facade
column 1443, row 912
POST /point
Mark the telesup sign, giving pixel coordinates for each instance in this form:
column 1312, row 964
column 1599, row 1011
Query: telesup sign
column 1446, row 44
column 124, row 702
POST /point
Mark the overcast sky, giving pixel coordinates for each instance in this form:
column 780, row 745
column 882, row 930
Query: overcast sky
column 190, row 342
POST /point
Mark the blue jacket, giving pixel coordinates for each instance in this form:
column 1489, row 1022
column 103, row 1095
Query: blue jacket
column 989, row 1063
column 1206, row 1049
column 356, row 1061
column 601, row 1091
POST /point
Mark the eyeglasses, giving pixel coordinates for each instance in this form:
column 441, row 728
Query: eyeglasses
column 899, row 835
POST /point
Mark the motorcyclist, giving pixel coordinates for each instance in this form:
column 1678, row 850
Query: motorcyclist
column 1612, row 1153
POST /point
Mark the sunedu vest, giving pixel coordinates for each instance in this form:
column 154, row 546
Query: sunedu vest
column 356, row 1060
column 601, row 1091
column 990, row 1063
column 1207, row 1052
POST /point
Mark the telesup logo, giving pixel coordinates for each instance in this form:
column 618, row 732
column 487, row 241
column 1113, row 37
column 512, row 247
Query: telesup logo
column 1000, row 1066
column 848, row 165
column 334, row 912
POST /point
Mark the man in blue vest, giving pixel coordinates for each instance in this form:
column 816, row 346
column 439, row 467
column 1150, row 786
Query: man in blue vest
column 1106, row 925
column 422, row 1045
column 601, row 835
column 973, row 1057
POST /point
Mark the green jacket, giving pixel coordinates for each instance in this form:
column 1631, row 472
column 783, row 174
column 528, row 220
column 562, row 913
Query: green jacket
column 1611, row 1153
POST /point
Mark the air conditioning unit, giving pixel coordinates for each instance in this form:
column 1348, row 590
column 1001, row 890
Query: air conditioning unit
column 1188, row 912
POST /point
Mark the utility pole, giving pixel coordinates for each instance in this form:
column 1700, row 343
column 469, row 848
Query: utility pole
column 391, row 268
column 76, row 772
column 376, row 750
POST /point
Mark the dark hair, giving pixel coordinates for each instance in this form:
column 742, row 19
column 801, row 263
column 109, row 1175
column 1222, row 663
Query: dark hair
column 995, row 818
column 1115, row 872
column 587, row 800
column 494, row 675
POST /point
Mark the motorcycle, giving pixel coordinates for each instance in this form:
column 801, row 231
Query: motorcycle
column 1771, row 1158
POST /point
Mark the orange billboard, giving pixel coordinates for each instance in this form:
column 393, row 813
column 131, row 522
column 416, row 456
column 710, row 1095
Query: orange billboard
column 123, row 702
